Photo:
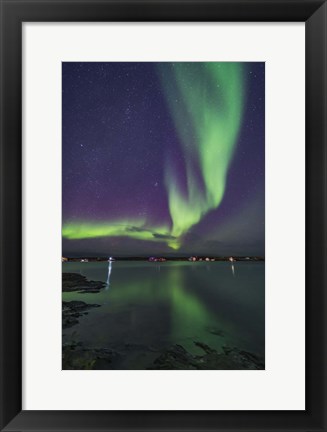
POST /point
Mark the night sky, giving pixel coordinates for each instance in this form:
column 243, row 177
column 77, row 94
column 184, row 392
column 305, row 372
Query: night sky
column 163, row 158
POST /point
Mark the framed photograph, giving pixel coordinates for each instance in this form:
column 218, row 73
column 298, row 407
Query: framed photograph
column 163, row 215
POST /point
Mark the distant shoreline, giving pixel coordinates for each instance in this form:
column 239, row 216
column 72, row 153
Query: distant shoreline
column 201, row 258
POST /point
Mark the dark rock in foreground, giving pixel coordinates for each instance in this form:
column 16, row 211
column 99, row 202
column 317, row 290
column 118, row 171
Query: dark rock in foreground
column 78, row 282
column 75, row 356
column 177, row 358
column 246, row 359
column 73, row 310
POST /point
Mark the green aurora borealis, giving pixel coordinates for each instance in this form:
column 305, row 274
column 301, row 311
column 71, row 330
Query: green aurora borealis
column 208, row 123
column 205, row 103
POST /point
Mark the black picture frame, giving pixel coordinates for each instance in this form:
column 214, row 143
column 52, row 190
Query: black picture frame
column 13, row 14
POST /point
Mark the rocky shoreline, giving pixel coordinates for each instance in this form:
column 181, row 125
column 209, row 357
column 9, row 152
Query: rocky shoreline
column 77, row 356
column 73, row 310
column 77, row 282
column 230, row 359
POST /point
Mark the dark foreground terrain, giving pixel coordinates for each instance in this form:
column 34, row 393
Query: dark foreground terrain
column 77, row 356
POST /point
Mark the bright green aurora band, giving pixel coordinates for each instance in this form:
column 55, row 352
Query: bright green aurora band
column 206, row 104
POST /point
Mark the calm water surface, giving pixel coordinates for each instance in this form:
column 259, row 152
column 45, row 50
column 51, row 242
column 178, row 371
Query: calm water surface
column 148, row 307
